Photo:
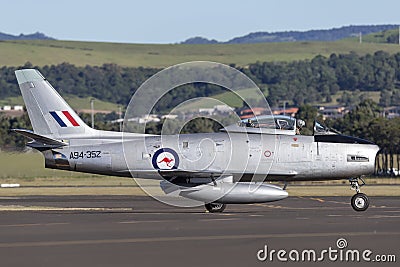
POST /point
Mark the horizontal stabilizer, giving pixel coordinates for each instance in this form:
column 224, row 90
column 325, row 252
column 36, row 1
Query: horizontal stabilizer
column 39, row 142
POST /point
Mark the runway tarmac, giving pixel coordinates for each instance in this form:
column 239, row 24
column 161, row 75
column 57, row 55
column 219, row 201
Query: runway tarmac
column 139, row 231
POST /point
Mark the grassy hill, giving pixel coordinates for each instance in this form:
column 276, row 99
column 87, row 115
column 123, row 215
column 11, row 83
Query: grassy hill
column 376, row 38
column 379, row 37
column 47, row 52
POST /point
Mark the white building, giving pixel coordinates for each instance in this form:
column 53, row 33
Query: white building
column 391, row 112
column 18, row 108
column 169, row 117
column 208, row 111
column 146, row 119
column 223, row 108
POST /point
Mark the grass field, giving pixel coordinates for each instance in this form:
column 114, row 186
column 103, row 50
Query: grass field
column 15, row 53
column 373, row 95
column 83, row 103
column 75, row 102
column 31, row 165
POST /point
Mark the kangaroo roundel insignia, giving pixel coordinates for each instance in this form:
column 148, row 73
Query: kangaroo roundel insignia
column 165, row 159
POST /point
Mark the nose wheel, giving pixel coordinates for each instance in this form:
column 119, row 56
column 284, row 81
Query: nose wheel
column 359, row 201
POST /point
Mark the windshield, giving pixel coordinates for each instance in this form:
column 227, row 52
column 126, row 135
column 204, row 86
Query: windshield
column 320, row 129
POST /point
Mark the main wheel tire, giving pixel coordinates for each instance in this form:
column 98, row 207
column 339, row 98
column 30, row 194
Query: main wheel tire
column 360, row 202
column 215, row 207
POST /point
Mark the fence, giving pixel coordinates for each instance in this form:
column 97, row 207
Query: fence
column 387, row 162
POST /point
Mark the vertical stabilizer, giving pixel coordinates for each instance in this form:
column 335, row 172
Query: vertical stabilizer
column 50, row 115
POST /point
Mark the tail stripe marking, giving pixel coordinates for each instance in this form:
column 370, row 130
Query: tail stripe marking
column 70, row 118
column 58, row 119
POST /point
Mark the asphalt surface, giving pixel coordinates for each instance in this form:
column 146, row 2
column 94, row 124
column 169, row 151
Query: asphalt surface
column 139, row 231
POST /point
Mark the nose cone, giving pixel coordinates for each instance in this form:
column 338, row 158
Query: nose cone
column 283, row 194
column 274, row 194
column 376, row 149
column 373, row 152
column 267, row 193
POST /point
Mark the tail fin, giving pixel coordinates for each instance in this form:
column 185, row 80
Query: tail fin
column 50, row 115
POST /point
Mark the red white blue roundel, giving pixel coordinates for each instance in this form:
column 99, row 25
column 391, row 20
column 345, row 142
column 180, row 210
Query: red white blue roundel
column 165, row 159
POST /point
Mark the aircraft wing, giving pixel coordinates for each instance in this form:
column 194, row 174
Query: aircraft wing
column 191, row 174
column 216, row 173
column 39, row 142
column 208, row 174
column 176, row 173
column 277, row 175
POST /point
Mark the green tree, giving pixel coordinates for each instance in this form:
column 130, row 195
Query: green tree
column 357, row 122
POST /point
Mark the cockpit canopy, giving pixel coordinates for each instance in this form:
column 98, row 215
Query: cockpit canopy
column 267, row 124
column 279, row 124
column 272, row 122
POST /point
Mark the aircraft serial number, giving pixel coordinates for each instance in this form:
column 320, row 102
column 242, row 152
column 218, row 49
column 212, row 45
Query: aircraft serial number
column 90, row 154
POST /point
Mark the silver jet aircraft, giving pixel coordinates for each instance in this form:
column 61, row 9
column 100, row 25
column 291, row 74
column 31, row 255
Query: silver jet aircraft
column 228, row 167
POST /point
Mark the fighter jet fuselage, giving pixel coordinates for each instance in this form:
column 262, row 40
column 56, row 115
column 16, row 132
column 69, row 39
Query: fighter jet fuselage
column 231, row 166
column 255, row 157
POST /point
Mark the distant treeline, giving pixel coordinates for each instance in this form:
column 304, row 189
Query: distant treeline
column 298, row 36
column 109, row 82
column 319, row 79
column 300, row 82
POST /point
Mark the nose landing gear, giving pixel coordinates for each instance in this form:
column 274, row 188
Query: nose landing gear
column 359, row 201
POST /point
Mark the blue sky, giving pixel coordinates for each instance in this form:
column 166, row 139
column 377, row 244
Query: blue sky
column 173, row 21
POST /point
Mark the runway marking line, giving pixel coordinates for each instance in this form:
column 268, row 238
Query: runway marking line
column 219, row 219
column 44, row 208
column 149, row 221
column 293, row 208
column 184, row 238
column 395, row 211
column 269, row 206
column 383, row 216
column 31, row 224
column 317, row 199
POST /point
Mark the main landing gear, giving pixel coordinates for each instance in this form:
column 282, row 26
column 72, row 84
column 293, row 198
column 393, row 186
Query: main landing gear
column 215, row 207
column 359, row 201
